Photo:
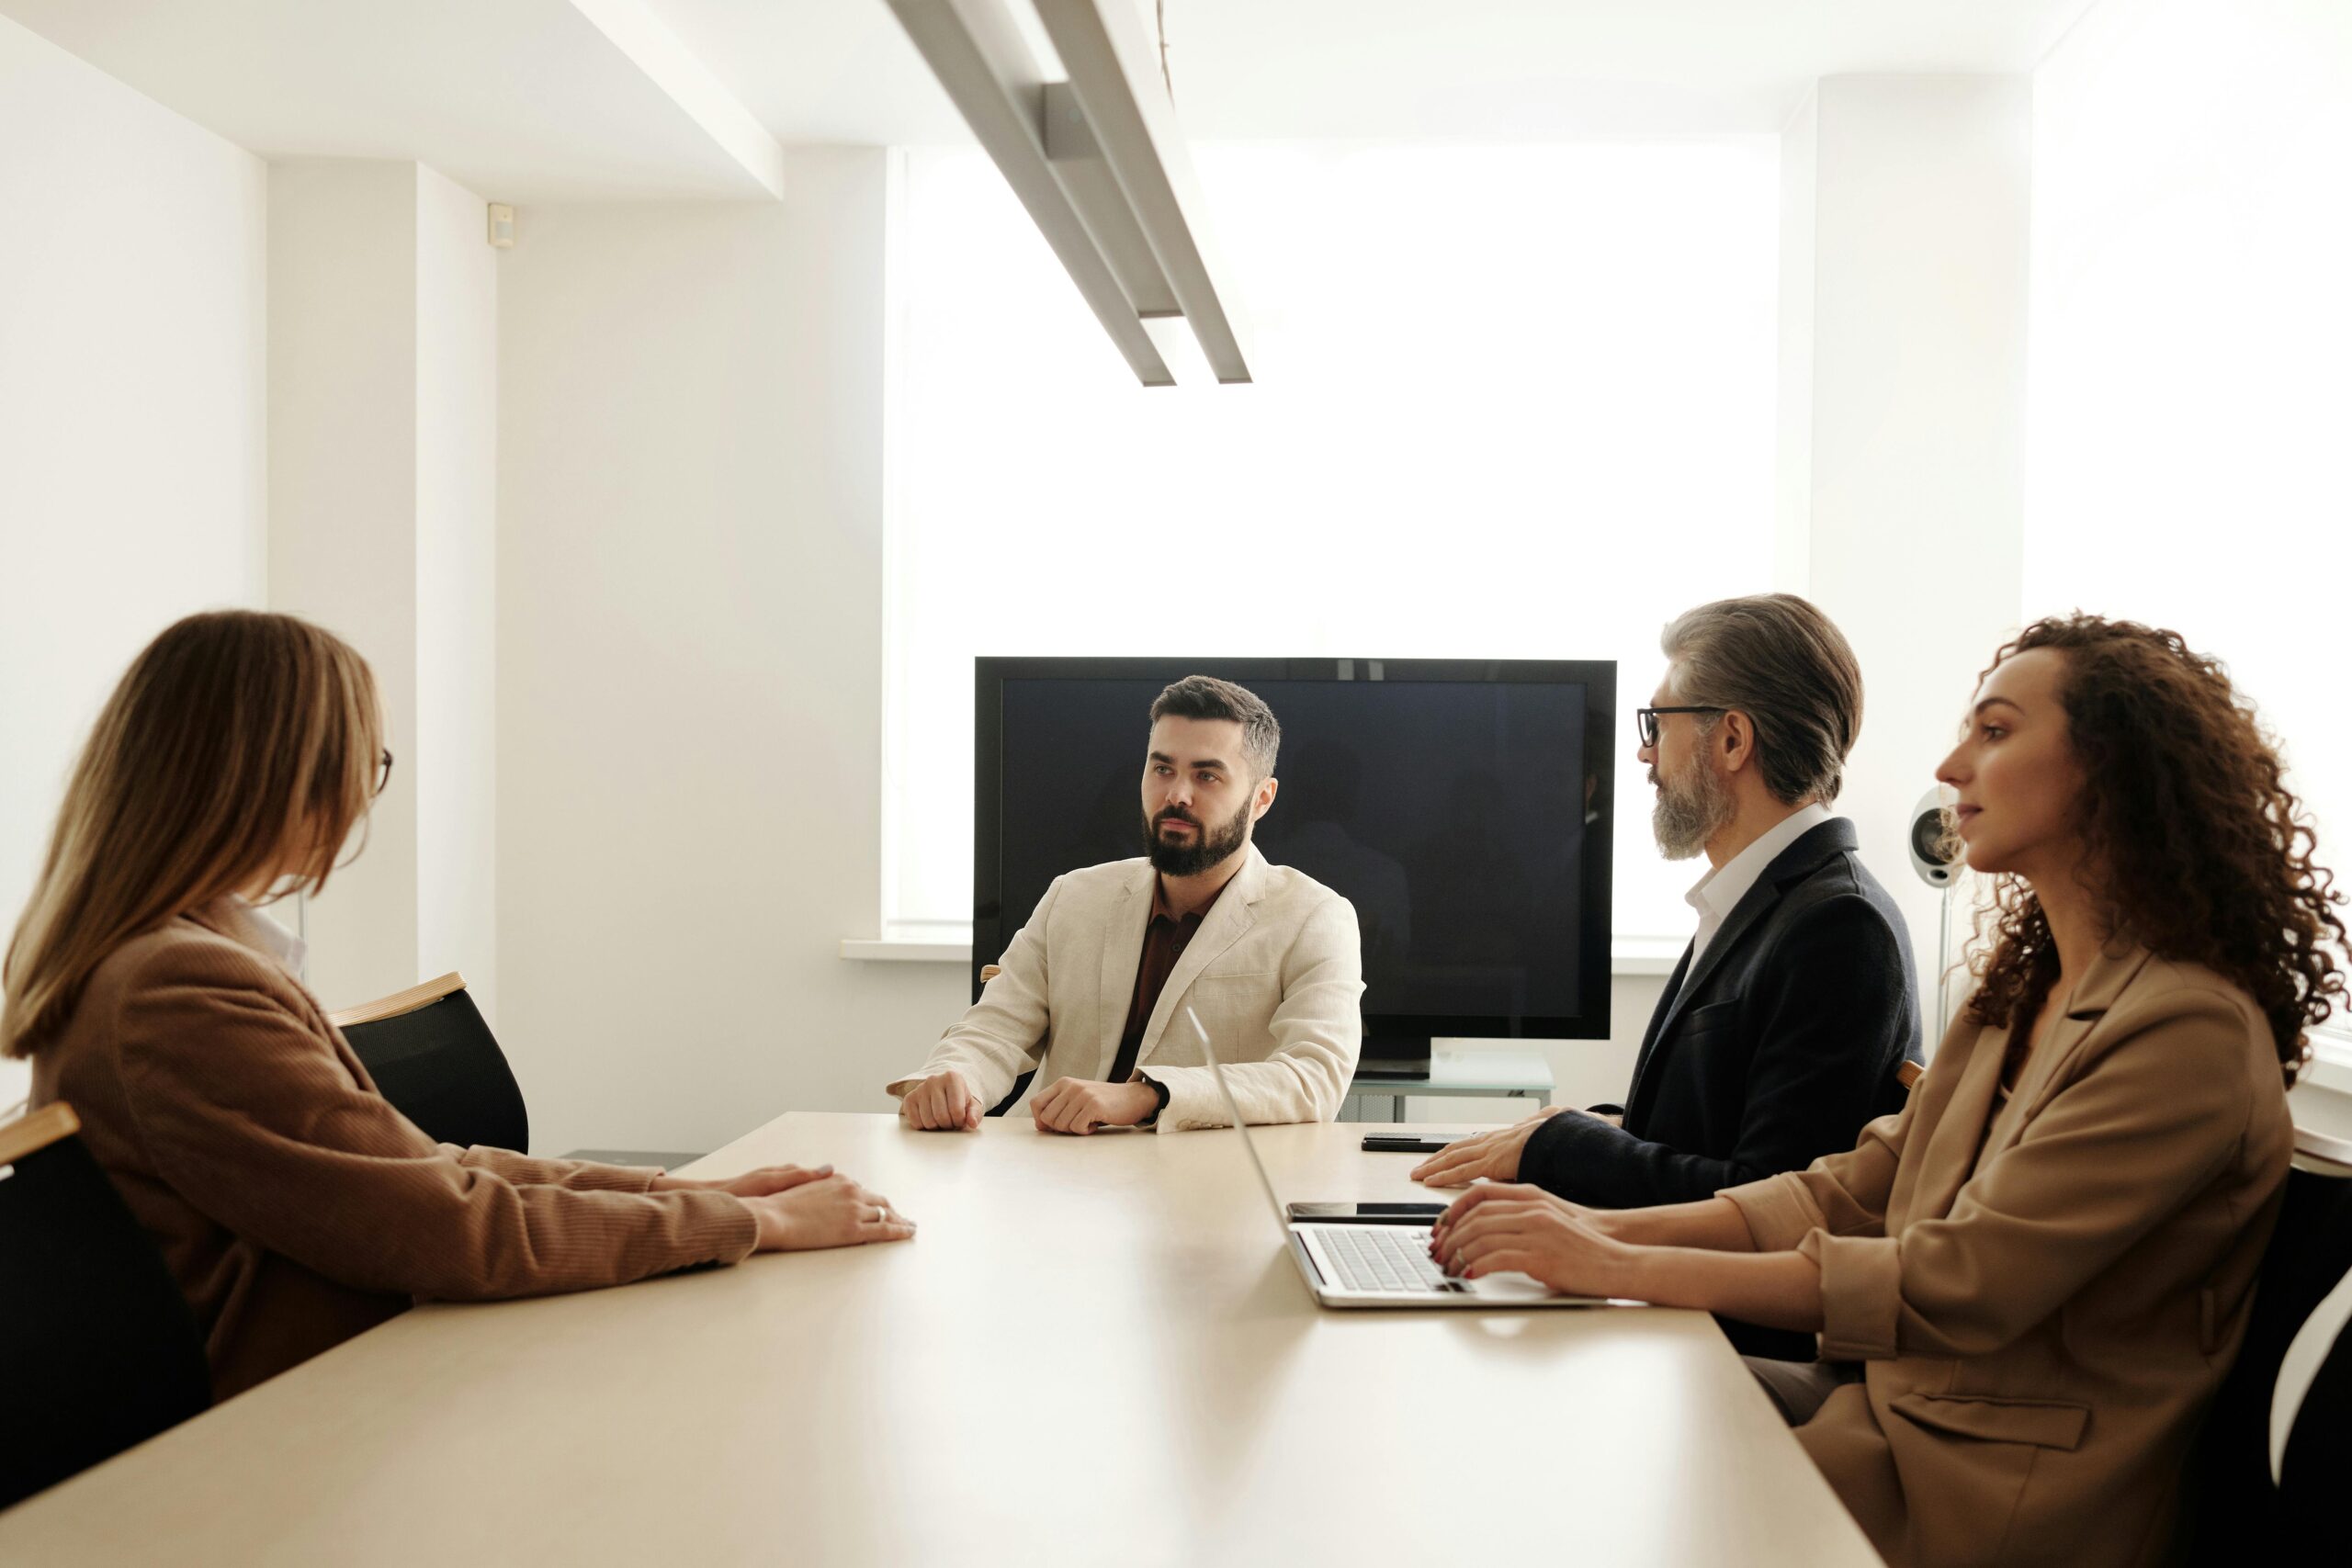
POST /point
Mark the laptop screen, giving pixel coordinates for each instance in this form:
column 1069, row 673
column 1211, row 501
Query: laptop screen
column 1225, row 1091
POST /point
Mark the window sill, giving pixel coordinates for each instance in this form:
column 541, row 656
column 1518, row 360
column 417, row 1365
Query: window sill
column 2331, row 1064
column 953, row 944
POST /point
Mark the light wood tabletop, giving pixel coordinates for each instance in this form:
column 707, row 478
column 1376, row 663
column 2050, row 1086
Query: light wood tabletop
column 1096, row 1351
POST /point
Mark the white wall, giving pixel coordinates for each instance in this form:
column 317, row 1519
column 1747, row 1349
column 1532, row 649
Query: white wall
column 2191, row 326
column 689, row 683
column 131, row 409
column 1913, row 426
column 1792, row 517
column 343, row 506
column 382, row 395
column 456, row 744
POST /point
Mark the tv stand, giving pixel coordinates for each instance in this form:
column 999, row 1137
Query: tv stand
column 1463, row 1072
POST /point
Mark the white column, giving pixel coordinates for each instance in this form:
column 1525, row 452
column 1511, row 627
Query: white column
column 1905, row 398
column 383, row 476
column 456, row 781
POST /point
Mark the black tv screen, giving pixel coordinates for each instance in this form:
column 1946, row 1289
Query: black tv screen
column 1461, row 805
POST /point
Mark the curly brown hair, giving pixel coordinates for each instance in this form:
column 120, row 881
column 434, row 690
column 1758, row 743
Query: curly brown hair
column 2202, row 853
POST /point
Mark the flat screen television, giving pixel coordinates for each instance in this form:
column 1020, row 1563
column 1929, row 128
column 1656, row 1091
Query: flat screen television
column 1463, row 806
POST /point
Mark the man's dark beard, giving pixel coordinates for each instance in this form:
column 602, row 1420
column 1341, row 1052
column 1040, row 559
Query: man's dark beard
column 1206, row 850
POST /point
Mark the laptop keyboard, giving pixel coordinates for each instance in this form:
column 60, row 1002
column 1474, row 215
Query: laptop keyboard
column 1385, row 1259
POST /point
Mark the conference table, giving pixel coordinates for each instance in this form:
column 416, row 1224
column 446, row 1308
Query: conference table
column 1096, row 1351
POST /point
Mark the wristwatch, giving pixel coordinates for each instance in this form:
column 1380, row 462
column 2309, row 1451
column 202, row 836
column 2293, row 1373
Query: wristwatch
column 1158, row 1088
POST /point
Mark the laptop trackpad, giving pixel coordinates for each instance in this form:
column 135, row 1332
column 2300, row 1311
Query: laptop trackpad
column 1509, row 1288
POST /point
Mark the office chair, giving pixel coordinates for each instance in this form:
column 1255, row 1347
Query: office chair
column 431, row 1055
column 2269, row 1463
column 1020, row 1085
column 97, row 1346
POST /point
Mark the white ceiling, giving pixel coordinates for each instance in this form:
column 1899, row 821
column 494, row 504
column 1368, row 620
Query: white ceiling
column 529, row 101
column 841, row 69
column 517, row 100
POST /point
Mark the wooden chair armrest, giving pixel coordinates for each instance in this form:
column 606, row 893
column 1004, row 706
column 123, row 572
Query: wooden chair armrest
column 1908, row 1074
column 415, row 997
column 28, row 1134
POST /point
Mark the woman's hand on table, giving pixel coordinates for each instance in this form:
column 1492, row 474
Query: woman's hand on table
column 830, row 1211
column 1500, row 1227
column 760, row 1183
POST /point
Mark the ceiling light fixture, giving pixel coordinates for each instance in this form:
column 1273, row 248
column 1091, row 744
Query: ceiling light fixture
column 1097, row 160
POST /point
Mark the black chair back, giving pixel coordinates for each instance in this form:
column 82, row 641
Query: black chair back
column 435, row 1058
column 1020, row 1085
column 97, row 1346
column 2239, row 1513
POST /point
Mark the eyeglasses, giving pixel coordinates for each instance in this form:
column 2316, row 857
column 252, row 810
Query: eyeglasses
column 384, row 771
column 1645, row 720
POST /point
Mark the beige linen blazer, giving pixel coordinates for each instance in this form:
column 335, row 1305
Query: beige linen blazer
column 1276, row 973
column 2044, row 1296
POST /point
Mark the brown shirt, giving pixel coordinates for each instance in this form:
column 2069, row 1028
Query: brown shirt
column 1164, row 941
column 293, row 1205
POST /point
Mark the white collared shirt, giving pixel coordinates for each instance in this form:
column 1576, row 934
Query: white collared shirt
column 263, row 931
column 1718, row 893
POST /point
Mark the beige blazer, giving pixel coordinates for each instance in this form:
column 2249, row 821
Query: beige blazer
column 292, row 1203
column 1275, row 973
column 2042, row 1322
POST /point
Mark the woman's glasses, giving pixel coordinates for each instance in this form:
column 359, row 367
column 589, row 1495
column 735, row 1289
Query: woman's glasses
column 384, row 771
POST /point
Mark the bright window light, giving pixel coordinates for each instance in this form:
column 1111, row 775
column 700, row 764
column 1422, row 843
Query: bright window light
column 2191, row 334
column 1512, row 403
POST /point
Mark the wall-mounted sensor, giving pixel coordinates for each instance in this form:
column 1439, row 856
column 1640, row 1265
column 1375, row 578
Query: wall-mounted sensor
column 502, row 226
column 1935, row 853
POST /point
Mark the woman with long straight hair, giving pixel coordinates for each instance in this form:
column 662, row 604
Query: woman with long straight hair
column 294, row 1205
column 2029, row 1281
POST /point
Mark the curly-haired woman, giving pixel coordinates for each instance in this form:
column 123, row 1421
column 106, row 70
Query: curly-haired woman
column 2029, row 1281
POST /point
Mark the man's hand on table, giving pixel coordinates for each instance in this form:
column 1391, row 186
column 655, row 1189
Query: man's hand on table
column 1080, row 1105
column 1493, row 1155
column 943, row 1102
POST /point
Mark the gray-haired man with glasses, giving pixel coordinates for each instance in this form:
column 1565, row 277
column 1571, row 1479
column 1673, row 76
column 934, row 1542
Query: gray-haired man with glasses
column 1783, row 1028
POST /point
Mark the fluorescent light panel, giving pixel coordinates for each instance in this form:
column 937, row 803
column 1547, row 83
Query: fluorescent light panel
column 1097, row 160
column 1114, row 74
column 1102, row 207
column 992, row 76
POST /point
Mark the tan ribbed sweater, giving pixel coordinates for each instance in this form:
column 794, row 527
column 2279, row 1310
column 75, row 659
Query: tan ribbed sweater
column 293, row 1205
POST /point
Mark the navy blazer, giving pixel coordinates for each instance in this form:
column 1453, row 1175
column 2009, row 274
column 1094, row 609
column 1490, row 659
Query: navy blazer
column 1774, row 1050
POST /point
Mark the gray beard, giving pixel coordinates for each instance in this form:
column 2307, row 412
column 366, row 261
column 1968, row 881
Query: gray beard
column 1691, row 810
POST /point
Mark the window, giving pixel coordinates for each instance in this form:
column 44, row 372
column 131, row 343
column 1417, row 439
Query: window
column 1512, row 402
column 2192, row 329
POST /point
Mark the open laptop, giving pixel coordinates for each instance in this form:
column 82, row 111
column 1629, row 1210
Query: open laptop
column 1376, row 1255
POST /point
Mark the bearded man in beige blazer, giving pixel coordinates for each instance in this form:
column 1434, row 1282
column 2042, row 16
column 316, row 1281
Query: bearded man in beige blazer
column 1090, row 992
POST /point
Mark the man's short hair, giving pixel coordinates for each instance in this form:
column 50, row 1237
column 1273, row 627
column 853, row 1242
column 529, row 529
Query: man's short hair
column 1780, row 661
column 1206, row 696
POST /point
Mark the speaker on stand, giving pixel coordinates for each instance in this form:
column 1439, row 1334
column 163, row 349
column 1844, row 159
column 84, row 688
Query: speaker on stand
column 1936, row 856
